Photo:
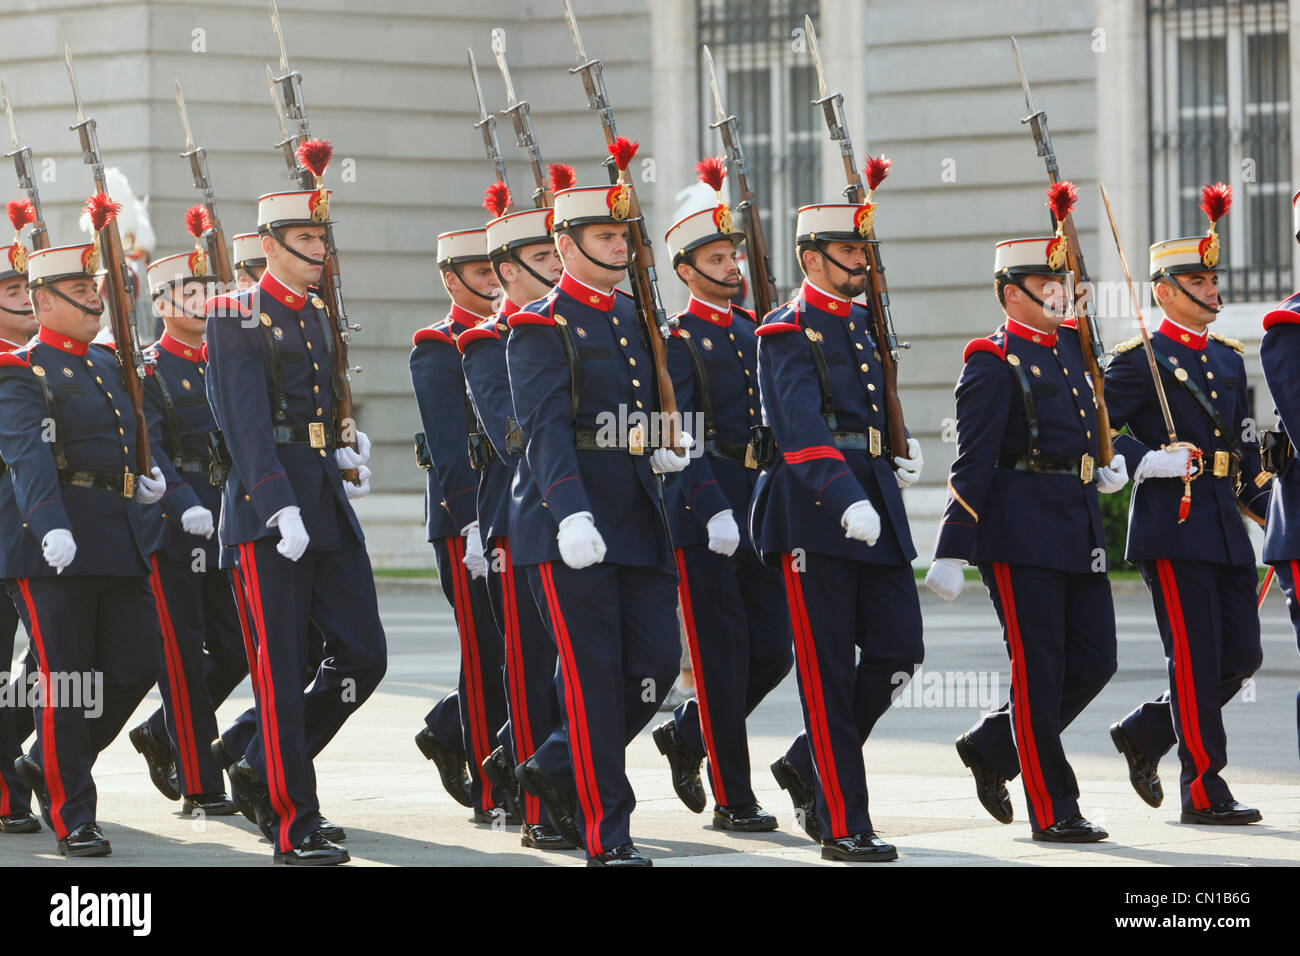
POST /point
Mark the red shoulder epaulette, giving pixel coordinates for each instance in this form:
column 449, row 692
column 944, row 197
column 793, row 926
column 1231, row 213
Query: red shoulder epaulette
column 1281, row 317
column 432, row 335
column 982, row 345
column 528, row 318
column 14, row 358
column 476, row 334
column 226, row 304
column 772, row 328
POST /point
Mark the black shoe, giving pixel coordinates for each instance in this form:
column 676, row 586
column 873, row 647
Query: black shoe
column 989, row 787
column 684, row 768
column 801, row 795
column 315, row 850
column 1074, row 829
column 502, row 776
column 543, row 836
column 29, row 772
column 559, row 805
column 1141, row 772
column 157, row 755
column 239, row 795
column 251, row 795
column 864, row 847
column 20, row 823
column 86, row 840
column 332, row 831
column 746, row 817
column 624, row 855
column 451, row 766
column 209, row 804
column 1228, row 813
column 501, row 814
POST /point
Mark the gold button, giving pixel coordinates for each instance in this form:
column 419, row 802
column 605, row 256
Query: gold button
column 1087, row 434
column 315, row 388
column 1209, row 375
column 732, row 336
column 871, row 387
column 322, row 452
column 125, row 450
column 1065, row 370
column 851, row 326
column 858, row 345
column 247, row 498
column 751, row 391
column 746, row 373
column 315, row 366
column 1217, row 433
column 631, row 361
column 614, row 320
column 1204, row 359
column 99, row 380
column 109, row 394
column 622, row 341
column 864, row 366
column 638, row 405
column 121, row 431
column 875, row 408
column 1075, row 391
column 309, row 345
column 751, row 411
column 319, row 412
column 636, row 383
column 1081, row 413
column 119, row 414
column 1213, row 394
column 302, row 324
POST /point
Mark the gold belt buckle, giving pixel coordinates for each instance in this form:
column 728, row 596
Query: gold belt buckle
column 873, row 442
column 1220, row 464
column 636, row 440
column 316, row 434
column 750, row 460
column 1085, row 468
column 128, row 485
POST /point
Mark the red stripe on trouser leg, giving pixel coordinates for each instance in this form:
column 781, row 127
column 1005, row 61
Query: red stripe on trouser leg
column 1026, row 747
column 520, row 725
column 1185, row 683
column 697, row 671
column 579, row 738
column 466, row 627
column 49, row 758
column 182, row 719
column 241, row 608
column 810, row 674
column 266, row 706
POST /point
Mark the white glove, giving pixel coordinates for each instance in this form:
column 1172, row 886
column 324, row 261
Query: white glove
column 946, row 577
column 358, row 490
column 59, row 548
column 1111, row 478
column 149, row 488
column 909, row 468
column 346, row 458
column 474, row 559
column 662, row 460
column 580, row 543
column 724, row 533
column 293, row 534
column 1162, row 464
column 197, row 520
column 861, row 522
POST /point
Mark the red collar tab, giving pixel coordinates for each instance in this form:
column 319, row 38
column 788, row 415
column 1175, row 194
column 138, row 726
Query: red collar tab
column 280, row 292
column 1172, row 330
column 819, row 300
column 1029, row 334
column 7, row 346
column 464, row 317
column 1070, row 324
column 603, row 302
column 508, row 308
column 708, row 313
column 62, row 342
column 174, row 345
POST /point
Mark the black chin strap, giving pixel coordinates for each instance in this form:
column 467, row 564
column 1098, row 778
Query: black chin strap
column 274, row 234
column 22, row 315
column 514, row 254
column 821, row 247
column 734, row 287
column 1213, row 310
column 95, row 312
column 1019, row 284
column 471, row 290
column 597, row 262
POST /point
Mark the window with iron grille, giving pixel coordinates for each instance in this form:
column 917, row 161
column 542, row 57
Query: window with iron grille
column 1219, row 100
column 769, row 87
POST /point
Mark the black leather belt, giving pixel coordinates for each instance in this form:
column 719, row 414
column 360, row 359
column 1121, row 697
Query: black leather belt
column 872, row 441
column 191, row 464
column 123, row 483
column 1083, row 468
column 317, row 435
column 732, row 451
column 633, row 443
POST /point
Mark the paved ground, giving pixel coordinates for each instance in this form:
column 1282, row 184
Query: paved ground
column 375, row 783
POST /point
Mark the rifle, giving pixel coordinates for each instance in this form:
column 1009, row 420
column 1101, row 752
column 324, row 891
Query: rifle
column 487, row 124
column 882, row 320
column 757, row 253
column 214, row 236
column 22, row 157
column 641, row 263
column 119, row 281
column 525, row 138
column 331, row 279
column 1089, row 336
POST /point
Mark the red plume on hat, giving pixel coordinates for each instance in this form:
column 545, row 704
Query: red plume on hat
column 101, row 210
column 314, row 156
column 197, row 221
column 562, row 176
column 622, row 149
column 712, row 171
column 496, row 199
column 1215, row 202
column 1061, row 200
column 876, row 170
column 22, row 212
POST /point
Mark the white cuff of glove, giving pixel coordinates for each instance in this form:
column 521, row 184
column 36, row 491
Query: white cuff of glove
column 861, row 522
column 1111, row 478
column 1162, row 464
column 724, row 533
column 908, row 470
column 946, row 577
column 580, row 543
column 362, row 487
column 59, row 548
column 346, row 457
column 197, row 520
column 293, row 533
column 149, row 488
column 664, row 460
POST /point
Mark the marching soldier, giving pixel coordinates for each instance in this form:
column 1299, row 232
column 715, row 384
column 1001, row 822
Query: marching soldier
column 1187, row 538
column 527, row 266
column 203, row 652
column 829, row 511
column 733, row 605
column 17, row 325
column 73, row 558
column 590, row 530
column 461, row 727
column 285, row 509
column 1022, row 507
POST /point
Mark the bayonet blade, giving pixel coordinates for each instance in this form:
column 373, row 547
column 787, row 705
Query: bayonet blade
column 478, row 89
column 72, row 77
column 1020, row 68
column 713, row 85
column 279, row 36
column 499, row 48
column 823, row 90
column 573, row 29
column 275, row 101
column 9, row 112
column 185, row 116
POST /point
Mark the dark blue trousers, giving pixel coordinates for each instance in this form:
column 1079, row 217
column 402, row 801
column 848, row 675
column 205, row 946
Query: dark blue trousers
column 480, row 701
column 857, row 634
column 336, row 589
column 1059, row 630
column 203, row 661
column 1288, row 573
column 738, row 633
column 1210, row 629
column 615, row 632
column 15, row 720
column 78, row 625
